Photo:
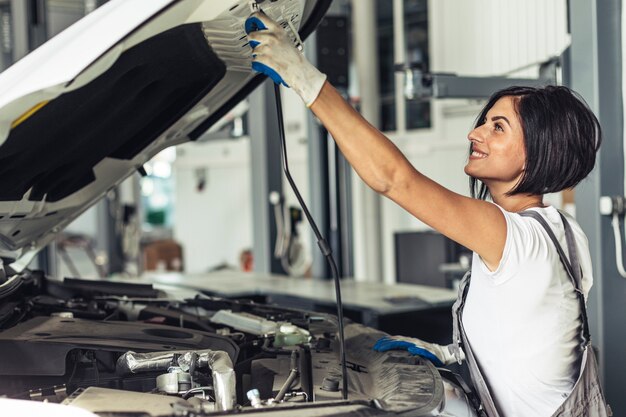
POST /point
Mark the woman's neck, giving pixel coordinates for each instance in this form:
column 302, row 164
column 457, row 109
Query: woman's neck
column 518, row 202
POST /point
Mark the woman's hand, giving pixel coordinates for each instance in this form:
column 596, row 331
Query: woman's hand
column 275, row 55
column 437, row 354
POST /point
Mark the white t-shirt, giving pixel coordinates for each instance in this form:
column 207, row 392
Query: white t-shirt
column 523, row 319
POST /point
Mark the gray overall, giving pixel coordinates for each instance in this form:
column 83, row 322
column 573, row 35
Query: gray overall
column 586, row 398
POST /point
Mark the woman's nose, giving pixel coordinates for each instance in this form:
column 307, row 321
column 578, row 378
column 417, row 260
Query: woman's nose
column 475, row 135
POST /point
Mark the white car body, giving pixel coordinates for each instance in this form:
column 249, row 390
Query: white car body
column 90, row 49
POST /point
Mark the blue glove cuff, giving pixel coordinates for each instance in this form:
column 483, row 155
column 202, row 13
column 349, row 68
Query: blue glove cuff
column 426, row 355
column 264, row 69
column 386, row 343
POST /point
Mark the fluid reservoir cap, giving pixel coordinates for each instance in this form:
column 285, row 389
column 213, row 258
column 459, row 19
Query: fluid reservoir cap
column 255, row 397
column 330, row 384
column 253, row 393
column 288, row 329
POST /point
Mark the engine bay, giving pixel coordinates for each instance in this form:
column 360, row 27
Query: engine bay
column 120, row 349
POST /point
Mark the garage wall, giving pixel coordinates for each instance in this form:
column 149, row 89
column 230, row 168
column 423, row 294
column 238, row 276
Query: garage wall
column 471, row 37
column 214, row 225
column 484, row 37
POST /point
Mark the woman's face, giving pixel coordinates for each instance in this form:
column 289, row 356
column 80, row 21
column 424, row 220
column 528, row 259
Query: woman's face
column 498, row 156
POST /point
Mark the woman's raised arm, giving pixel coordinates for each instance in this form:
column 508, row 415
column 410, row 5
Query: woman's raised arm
column 475, row 224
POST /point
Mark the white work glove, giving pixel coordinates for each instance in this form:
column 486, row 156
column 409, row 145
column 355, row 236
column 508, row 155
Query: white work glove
column 439, row 355
column 275, row 55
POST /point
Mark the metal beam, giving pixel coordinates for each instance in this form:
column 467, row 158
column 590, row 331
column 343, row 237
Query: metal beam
column 318, row 175
column 329, row 172
column 37, row 23
column 6, row 35
column 19, row 18
column 109, row 236
column 367, row 234
column 47, row 261
column 421, row 86
column 596, row 68
column 344, row 211
column 266, row 175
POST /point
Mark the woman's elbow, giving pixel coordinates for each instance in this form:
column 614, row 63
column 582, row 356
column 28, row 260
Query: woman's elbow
column 383, row 184
column 383, row 179
column 378, row 186
column 398, row 182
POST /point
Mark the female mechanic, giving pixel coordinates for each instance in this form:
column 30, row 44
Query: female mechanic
column 521, row 318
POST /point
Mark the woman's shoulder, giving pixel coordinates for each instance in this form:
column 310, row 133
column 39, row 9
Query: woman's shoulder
column 529, row 234
column 526, row 238
column 550, row 213
column 553, row 216
column 517, row 220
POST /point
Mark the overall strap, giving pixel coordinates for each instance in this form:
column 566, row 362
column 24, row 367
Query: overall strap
column 573, row 269
column 486, row 406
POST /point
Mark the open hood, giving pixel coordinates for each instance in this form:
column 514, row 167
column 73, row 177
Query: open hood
column 92, row 105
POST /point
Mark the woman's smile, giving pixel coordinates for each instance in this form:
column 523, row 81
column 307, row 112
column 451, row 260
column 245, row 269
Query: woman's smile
column 476, row 154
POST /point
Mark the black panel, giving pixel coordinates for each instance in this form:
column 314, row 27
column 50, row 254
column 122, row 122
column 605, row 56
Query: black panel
column 419, row 256
column 23, row 346
column 86, row 287
column 332, row 50
column 117, row 115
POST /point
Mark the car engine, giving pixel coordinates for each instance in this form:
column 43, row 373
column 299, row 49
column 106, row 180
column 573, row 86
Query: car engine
column 120, row 349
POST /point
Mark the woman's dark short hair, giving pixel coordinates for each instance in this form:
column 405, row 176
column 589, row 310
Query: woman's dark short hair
column 561, row 138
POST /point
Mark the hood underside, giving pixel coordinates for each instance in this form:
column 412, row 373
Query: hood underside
column 92, row 105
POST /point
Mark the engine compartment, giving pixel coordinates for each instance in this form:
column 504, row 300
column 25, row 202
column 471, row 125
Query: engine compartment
column 117, row 349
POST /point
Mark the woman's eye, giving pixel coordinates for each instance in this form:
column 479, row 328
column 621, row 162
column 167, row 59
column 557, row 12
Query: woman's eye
column 498, row 126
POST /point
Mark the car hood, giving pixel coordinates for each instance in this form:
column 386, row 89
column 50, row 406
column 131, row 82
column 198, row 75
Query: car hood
column 92, row 105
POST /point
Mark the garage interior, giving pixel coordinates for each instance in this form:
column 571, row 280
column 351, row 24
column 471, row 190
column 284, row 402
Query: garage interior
column 215, row 215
